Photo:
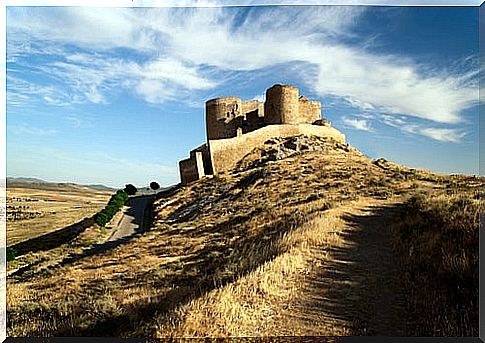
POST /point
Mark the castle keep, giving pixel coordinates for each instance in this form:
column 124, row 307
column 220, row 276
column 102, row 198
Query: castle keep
column 234, row 127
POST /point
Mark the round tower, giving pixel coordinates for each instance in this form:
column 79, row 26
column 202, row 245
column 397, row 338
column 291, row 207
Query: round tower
column 281, row 106
column 220, row 114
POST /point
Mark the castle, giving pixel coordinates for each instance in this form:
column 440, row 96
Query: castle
column 234, row 127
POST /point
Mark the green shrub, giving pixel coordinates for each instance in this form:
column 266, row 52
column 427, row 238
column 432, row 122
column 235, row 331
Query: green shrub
column 116, row 202
column 101, row 218
column 130, row 189
column 11, row 254
column 154, row 185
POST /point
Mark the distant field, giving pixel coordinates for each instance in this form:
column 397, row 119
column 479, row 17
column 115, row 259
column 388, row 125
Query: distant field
column 32, row 212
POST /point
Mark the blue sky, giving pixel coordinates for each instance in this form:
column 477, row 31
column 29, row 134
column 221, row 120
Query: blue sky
column 116, row 95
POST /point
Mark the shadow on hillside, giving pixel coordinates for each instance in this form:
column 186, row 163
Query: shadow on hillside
column 193, row 276
column 136, row 210
column 53, row 239
column 359, row 285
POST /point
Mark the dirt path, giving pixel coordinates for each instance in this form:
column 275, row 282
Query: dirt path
column 339, row 278
column 357, row 286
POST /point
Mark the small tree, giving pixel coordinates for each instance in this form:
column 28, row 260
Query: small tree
column 130, row 189
column 101, row 218
column 154, row 185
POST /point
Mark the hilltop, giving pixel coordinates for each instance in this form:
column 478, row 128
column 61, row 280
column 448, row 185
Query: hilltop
column 304, row 236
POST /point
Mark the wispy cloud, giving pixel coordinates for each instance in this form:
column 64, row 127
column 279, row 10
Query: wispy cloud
column 191, row 49
column 92, row 78
column 440, row 134
column 358, row 124
column 30, row 130
column 393, row 121
column 443, row 135
column 78, row 122
column 20, row 91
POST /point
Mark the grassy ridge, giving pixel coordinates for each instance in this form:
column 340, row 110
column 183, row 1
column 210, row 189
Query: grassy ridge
column 285, row 247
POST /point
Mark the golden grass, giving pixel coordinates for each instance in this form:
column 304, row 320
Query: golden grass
column 438, row 242
column 54, row 210
column 259, row 303
column 235, row 254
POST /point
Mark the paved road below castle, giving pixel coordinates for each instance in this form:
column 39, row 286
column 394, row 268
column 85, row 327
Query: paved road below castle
column 132, row 220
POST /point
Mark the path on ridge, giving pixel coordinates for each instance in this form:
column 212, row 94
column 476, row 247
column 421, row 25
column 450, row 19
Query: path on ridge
column 358, row 287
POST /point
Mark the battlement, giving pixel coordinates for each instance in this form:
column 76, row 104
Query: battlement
column 229, row 119
column 283, row 105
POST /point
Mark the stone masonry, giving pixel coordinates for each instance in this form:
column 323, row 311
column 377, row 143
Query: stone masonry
column 234, row 127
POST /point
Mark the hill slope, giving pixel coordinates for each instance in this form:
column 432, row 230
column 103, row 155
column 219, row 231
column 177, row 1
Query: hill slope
column 297, row 240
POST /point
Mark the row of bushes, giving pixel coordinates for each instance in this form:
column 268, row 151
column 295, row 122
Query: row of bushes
column 116, row 202
column 438, row 241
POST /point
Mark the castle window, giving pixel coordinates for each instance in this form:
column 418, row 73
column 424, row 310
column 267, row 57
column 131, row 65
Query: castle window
column 228, row 114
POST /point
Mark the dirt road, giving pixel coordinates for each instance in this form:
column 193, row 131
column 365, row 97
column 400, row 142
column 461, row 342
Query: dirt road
column 347, row 283
column 358, row 286
column 132, row 220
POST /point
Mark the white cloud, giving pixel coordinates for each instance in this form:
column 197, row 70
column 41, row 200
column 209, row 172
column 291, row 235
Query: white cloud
column 183, row 45
column 87, row 27
column 30, row 130
column 20, row 91
column 358, row 124
column 443, row 135
column 439, row 134
column 90, row 78
column 260, row 97
column 78, row 122
column 393, row 121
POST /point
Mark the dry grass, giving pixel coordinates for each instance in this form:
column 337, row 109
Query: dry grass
column 438, row 241
column 228, row 255
column 45, row 210
column 264, row 302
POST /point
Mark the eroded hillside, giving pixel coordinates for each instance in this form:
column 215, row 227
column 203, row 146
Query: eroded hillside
column 295, row 241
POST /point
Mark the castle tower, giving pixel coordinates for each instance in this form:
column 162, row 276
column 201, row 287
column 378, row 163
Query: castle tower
column 281, row 106
column 220, row 117
column 309, row 110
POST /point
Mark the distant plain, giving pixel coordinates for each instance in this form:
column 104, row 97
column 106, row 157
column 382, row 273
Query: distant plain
column 37, row 208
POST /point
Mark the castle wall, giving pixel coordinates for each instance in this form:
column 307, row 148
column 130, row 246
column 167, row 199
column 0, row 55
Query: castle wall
column 253, row 121
column 206, row 159
column 223, row 116
column 225, row 153
column 188, row 170
column 234, row 127
column 254, row 115
column 253, row 105
column 281, row 105
column 309, row 111
column 197, row 166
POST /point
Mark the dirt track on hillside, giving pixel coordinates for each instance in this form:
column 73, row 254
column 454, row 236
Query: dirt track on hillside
column 357, row 286
column 348, row 284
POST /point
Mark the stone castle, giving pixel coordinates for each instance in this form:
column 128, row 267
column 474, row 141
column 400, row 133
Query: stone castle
column 234, row 127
